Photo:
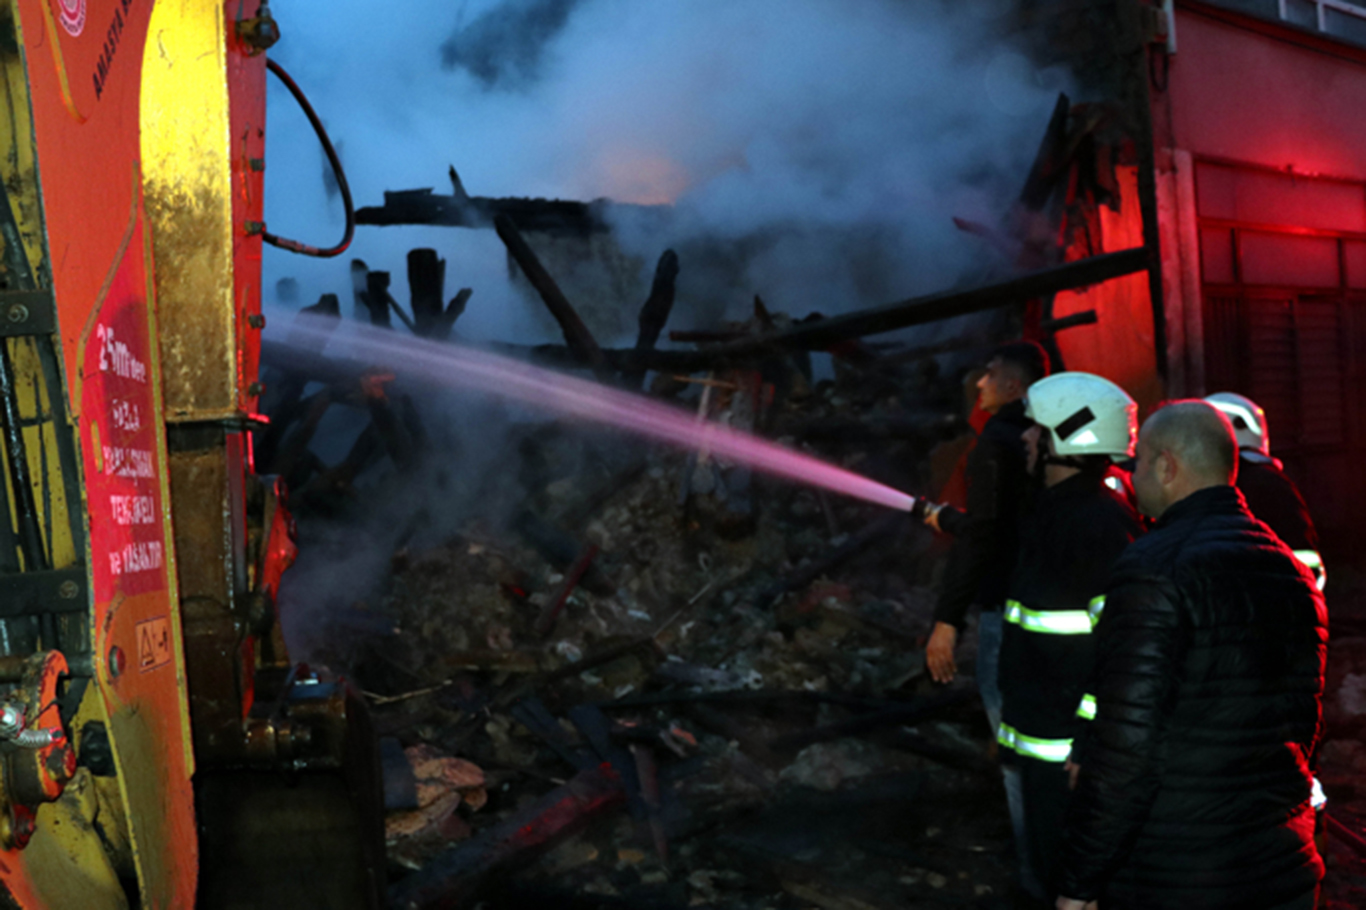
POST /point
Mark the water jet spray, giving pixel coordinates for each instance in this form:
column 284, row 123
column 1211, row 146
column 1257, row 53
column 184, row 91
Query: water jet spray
column 460, row 367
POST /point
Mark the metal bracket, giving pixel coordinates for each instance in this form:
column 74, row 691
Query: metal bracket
column 27, row 313
column 33, row 593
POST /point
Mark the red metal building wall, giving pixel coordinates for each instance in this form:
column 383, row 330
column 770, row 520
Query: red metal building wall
column 1261, row 149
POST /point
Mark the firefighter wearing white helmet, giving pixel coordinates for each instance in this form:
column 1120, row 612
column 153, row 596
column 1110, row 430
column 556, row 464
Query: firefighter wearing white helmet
column 1271, row 495
column 1076, row 529
column 1084, row 414
column 1248, row 419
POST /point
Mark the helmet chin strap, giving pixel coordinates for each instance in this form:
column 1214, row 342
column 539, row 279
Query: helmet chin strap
column 1066, row 461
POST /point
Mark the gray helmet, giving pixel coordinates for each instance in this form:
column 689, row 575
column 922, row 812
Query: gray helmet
column 1248, row 419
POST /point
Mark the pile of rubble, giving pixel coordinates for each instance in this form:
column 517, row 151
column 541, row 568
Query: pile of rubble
column 656, row 679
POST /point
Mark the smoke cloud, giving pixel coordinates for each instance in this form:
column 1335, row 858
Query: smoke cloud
column 503, row 46
column 814, row 150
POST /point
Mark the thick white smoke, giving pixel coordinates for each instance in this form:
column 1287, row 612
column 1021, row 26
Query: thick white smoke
column 815, row 152
column 828, row 141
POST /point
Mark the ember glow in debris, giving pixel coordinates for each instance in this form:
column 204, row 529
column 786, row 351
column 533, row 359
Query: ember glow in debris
column 464, row 368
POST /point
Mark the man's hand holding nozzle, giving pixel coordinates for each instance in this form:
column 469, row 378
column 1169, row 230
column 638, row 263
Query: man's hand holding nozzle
column 928, row 512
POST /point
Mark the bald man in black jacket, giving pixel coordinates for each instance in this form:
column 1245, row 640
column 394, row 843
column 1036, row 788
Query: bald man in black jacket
column 1194, row 785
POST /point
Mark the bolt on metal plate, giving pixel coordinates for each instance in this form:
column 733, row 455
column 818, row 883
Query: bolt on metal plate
column 28, row 313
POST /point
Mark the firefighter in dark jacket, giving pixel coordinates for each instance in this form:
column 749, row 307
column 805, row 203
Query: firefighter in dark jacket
column 1076, row 529
column 1193, row 788
column 1270, row 494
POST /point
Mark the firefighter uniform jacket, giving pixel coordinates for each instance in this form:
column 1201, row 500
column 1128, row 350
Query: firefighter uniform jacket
column 1070, row 540
column 987, row 534
column 1194, row 788
column 1273, row 499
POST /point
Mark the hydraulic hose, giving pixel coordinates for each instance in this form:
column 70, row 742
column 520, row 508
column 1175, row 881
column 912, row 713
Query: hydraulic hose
column 295, row 246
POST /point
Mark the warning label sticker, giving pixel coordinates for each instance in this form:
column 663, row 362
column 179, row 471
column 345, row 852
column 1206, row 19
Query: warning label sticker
column 154, row 643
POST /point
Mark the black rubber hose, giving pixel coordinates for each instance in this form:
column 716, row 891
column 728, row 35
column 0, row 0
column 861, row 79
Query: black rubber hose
column 295, row 246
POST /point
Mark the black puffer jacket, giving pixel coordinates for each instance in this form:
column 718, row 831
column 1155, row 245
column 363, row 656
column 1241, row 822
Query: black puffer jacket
column 987, row 535
column 1194, row 790
column 1275, row 500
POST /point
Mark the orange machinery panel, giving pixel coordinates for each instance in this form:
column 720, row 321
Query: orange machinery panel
column 84, row 60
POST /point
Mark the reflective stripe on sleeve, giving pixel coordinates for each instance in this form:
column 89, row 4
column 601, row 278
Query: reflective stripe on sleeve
column 1053, row 622
column 1314, row 562
column 1087, row 709
column 1095, row 608
column 1054, row 750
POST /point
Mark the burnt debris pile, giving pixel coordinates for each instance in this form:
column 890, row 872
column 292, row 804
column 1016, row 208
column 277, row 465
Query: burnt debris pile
column 636, row 675
column 640, row 676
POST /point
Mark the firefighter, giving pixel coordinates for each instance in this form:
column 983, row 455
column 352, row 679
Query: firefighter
column 1271, row 496
column 1076, row 529
column 1274, row 500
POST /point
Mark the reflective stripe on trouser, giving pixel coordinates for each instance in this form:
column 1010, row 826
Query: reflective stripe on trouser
column 1314, row 562
column 1087, row 709
column 1054, row 750
column 1055, row 622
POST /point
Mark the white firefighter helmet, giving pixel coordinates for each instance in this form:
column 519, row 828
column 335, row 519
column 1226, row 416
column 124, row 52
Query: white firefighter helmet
column 1084, row 414
column 1248, row 419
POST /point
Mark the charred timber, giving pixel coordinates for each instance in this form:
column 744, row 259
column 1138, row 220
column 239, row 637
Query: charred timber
column 426, row 286
column 454, row 876
column 824, row 333
column 813, row 335
column 655, row 312
column 908, row 714
column 1053, row 326
column 545, row 216
column 576, row 334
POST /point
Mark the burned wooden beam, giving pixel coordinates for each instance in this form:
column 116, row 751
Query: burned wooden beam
column 427, row 290
column 1085, row 317
column 562, row 217
column 655, row 313
column 284, row 460
column 910, row 713
column 549, row 216
column 454, row 310
column 576, row 334
column 376, row 298
column 812, row 335
column 359, row 271
column 571, row 580
column 824, row 333
column 457, row 873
